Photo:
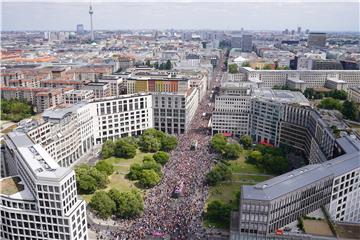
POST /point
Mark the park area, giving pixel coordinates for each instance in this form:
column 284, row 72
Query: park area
column 118, row 179
column 228, row 192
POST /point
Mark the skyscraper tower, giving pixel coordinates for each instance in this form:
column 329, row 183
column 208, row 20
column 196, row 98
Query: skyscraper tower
column 91, row 22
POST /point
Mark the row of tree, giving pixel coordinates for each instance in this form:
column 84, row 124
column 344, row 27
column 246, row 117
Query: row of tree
column 228, row 150
column 310, row 93
column 152, row 140
column 91, row 178
column 149, row 172
column 15, row 110
column 128, row 204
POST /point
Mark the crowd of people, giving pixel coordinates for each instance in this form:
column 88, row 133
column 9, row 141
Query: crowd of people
column 164, row 216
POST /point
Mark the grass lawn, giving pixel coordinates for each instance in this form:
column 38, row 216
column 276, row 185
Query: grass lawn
column 118, row 179
column 227, row 191
column 241, row 166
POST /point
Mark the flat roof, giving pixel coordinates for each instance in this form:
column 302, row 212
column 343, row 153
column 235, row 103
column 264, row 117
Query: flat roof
column 36, row 158
column 299, row 178
column 14, row 188
column 282, row 96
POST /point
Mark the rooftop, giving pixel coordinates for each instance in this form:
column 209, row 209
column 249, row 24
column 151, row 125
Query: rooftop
column 283, row 96
column 13, row 187
column 299, row 178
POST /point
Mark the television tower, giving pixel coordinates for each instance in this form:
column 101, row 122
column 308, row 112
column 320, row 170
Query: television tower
column 91, row 22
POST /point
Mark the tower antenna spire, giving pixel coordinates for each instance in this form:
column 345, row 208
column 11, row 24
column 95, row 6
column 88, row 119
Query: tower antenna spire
column 91, row 12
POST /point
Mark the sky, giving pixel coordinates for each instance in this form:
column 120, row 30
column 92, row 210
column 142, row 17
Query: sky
column 114, row 15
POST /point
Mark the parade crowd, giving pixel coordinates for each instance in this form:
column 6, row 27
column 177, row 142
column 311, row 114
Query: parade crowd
column 164, row 216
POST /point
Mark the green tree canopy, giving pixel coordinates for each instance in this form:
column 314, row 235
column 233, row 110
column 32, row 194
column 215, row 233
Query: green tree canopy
column 168, row 143
column 149, row 178
column 123, row 148
column 135, row 171
column 350, row 110
column 232, row 151
column 102, row 204
column 105, row 167
column 220, row 172
column 148, row 143
column 161, row 157
column 128, row 204
column 108, row 149
column 330, row 103
column 246, row 141
column 218, row 211
column 233, row 68
column 15, row 110
column 218, row 142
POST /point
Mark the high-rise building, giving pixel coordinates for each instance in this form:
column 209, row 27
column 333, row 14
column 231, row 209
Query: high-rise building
column 80, row 29
column 246, row 43
column 317, row 39
column 299, row 30
column 40, row 201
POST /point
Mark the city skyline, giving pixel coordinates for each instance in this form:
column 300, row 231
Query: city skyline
column 184, row 15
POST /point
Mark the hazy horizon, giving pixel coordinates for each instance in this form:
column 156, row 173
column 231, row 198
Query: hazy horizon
column 277, row 16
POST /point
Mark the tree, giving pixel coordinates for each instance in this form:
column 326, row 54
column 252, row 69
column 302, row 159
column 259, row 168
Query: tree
column 168, row 143
column 105, row 167
column 124, row 149
column 100, row 177
column 350, row 110
column 337, row 94
column 148, row 143
column 151, row 164
column 102, row 204
column 15, row 110
column 232, row 151
column 254, row 157
column 86, row 184
column 156, row 65
column 135, row 171
column 149, row 178
column 276, row 164
column 233, row 68
column 148, row 63
column 108, row 149
column 245, row 64
column 128, row 204
column 246, row 141
column 218, row 211
column 161, row 157
column 218, row 142
column 330, row 103
column 168, row 65
column 220, row 172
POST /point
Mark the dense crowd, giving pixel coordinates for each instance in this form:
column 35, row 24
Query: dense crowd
column 163, row 215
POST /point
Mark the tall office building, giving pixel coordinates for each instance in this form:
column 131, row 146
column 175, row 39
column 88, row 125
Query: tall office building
column 38, row 198
column 80, row 29
column 317, row 39
column 273, row 204
column 246, row 43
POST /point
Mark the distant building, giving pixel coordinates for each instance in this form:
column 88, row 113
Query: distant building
column 236, row 41
column 317, row 39
column 100, row 89
column 74, row 96
column 80, row 29
column 328, row 64
column 246, row 43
